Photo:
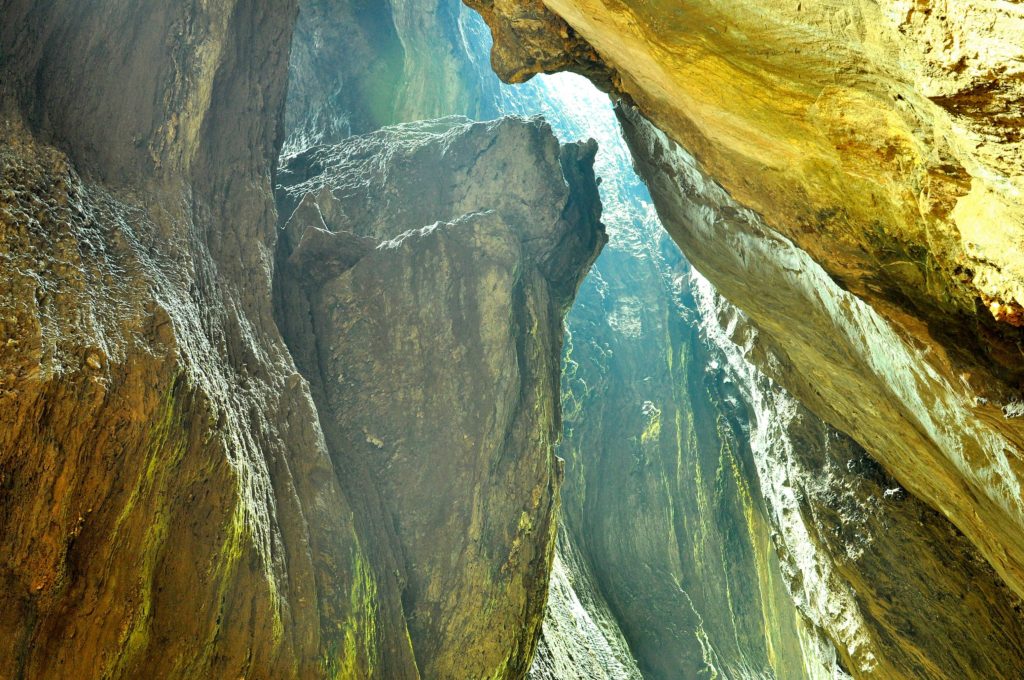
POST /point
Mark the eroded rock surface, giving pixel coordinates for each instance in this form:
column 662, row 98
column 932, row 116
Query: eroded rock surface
column 357, row 65
column 777, row 277
column 830, row 191
column 169, row 507
column 900, row 590
column 662, row 496
column 882, row 138
column 425, row 273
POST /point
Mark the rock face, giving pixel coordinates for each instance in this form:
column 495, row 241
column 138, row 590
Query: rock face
column 665, row 537
column 882, row 138
column 661, row 490
column 900, row 590
column 357, row 65
column 900, row 350
column 169, row 507
column 426, row 271
column 701, row 215
column 187, row 495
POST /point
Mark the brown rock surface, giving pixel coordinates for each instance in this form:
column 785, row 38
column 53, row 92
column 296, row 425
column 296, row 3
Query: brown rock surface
column 900, row 591
column 882, row 141
column 169, row 507
column 882, row 138
column 844, row 361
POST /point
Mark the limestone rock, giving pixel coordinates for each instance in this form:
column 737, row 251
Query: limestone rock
column 882, row 138
column 900, row 590
column 845, row 180
column 835, row 352
column 434, row 360
column 169, row 507
column 357, row 65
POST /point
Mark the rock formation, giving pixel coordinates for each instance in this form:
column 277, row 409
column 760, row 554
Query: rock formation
column 426, row 270
column 806, row 188
column 902, row 592
column 171, row 506
column 358, row 65
column 268, row 415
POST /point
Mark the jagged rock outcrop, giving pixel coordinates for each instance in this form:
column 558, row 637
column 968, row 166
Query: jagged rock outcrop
column 425, row 272
column 661, row 491
column 580, row 637
column 665, row 539
column 910, row 423
column 882, row 138
column 171, row 507
column 654, row 561
column 175, row 506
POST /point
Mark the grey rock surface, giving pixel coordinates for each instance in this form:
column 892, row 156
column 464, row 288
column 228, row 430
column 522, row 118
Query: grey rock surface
column 434, row 358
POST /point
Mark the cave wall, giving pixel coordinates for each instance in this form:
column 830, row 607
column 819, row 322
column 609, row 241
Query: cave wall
column 899, row 589
column 700, row 213
column 907, row 363
column 173, row 507
column 169, row 506
column 664, row 529
column 925, row 379
column 357, row 65
column 600, row 577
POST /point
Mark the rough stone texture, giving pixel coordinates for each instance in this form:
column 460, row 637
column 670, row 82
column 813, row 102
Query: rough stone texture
column 661, row 492
column 902, row 592
column 580, row 637
column 905, row 421
column 431, row 333
column 676, row 566
column 529, row 39
column 884, row 138
column 832, row 123
column 169, row 507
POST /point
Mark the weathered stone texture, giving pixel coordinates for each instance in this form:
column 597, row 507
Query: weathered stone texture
column 433, row 345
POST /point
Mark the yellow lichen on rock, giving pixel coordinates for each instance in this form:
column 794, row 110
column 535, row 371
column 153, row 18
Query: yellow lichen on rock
column 883, row 138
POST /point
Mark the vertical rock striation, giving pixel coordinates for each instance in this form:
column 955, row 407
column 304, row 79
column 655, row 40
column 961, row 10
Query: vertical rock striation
column 845, row 525
column 839, row 200
column 665, row 539
column 899, row 589
column 169, row 508
column 358, row 65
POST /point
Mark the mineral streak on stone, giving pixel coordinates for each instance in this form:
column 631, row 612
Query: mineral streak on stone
column 912, row 421
column 434, row 358
column 884, row 138
column 899, row 589
column 661, row 493
column 169, row 506
column 665, row 547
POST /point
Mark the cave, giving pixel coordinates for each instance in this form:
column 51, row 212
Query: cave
column 548, row 339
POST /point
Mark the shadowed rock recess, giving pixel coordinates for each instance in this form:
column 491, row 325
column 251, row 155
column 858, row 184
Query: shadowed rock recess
column 282, row 368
